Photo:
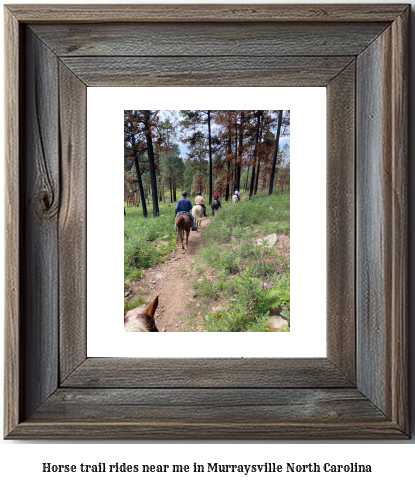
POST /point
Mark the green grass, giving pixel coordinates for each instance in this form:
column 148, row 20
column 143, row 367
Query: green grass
column 240, row 268
column 147, row 241
column 270, row 214
column 136, row 302
column 252, row 278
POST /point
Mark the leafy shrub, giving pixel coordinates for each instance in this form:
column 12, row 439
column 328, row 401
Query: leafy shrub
column 252, row 278
column 270, row 212
column 140, row 240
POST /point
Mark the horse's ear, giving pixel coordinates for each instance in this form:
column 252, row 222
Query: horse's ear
column 151, row 309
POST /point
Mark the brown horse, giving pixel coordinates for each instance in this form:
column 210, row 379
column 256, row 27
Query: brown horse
column 183, row 224
column 215, row 207
column 141, row 319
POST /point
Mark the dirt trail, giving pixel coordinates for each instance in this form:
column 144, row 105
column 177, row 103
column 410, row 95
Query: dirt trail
column 172, row 284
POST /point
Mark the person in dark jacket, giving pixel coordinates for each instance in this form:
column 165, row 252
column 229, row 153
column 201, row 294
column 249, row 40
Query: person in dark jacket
column 184, row 205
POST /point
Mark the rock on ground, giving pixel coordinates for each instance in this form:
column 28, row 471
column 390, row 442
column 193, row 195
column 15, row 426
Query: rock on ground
column 219, row 308
column 270, row 240
column 278, row 323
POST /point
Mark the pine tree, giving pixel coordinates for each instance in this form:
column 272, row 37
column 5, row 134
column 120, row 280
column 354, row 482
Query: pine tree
column 134, row 150
column 284, row 123
column 138, row 127
column 195, row 121
column 257, row 132
column 172, row 169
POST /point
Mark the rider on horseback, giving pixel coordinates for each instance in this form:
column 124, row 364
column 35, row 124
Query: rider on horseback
column 184, row 205
column 199, row 201
column 216, row 197
column 237, row 194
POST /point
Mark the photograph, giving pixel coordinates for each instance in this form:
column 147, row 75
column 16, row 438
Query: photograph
column 206, row 220
column 71, row 373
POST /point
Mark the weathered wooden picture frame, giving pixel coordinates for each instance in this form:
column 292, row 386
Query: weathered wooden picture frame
column 360, row 53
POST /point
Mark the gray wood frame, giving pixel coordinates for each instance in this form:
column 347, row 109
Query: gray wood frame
column 360, row 53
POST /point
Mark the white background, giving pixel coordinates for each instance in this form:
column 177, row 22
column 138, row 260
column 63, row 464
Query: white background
column 106, row 336
column 20, row 462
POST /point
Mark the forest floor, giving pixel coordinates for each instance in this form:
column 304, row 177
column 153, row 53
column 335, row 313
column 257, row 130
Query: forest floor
column 228, row 280
column 171, row 281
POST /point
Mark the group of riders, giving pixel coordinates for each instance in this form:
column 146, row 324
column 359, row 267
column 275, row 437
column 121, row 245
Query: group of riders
column 184, row 205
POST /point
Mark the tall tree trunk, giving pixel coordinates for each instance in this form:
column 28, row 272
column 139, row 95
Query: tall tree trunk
column 139, row 180
column 160, row 188
column 257, row 176
column 210, row 160
column 235, row 165
column 251, row 189
column 174, row 192
column 258, row 166
column 151, row 162
column 229, row 153
column 247, row 179
column 274, row 159
column 264, row 180
column 140, row 185
column 239, row 164
column 171, row 193
column 251, row 186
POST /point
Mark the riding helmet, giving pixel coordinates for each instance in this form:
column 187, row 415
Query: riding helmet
column 184, row 193
column 199, row 192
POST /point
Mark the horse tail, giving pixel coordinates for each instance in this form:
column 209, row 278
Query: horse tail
column 180, row 223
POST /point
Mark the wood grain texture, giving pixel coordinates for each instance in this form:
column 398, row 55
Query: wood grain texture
column 207, row 39
column 72, row 222
column 62, row 395
column 205, row 71
column 341, row 314
column 400, row 263
column 12, row 384
column 206, row 373
column 373, row 223
column 271, row 405
column 376, row 226
column 206, row 13
column 382, row 223
column 40, row 203
column 188, row 430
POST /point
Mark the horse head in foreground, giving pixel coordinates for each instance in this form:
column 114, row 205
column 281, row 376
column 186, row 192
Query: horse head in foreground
column 141, row 319
column 183, row 224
